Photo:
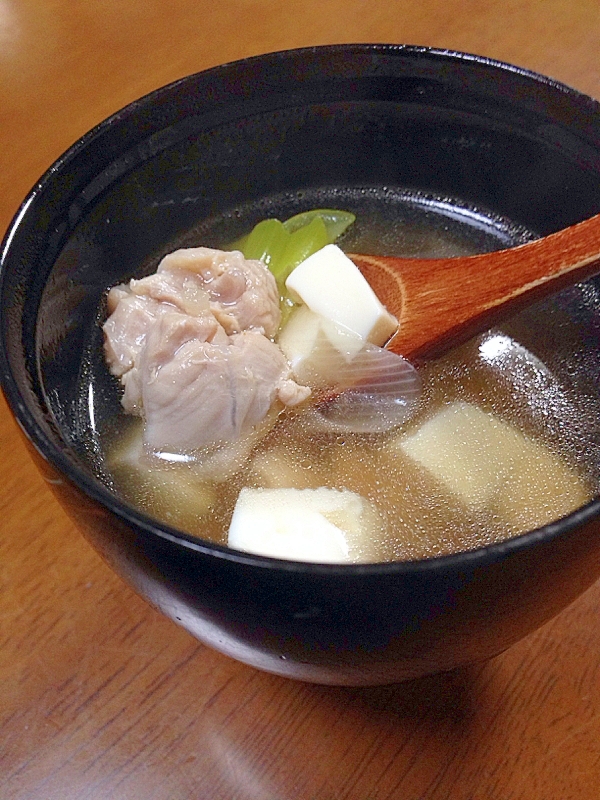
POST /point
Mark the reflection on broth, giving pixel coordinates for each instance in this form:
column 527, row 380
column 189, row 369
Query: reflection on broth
column 490, row 452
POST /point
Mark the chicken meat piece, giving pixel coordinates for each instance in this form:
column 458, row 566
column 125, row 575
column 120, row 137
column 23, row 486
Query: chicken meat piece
column 125, row 330
column 189, row 346
column 125, row 333
column 195, row 392
column 182, row 289
column 243, row 293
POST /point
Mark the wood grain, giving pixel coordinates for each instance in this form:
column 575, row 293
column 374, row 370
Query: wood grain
column 103, row 699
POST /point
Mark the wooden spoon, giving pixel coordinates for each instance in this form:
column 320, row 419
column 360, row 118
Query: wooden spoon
column 442, row 302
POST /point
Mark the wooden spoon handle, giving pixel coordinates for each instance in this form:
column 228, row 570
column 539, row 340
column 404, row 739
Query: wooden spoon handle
column 443, row 302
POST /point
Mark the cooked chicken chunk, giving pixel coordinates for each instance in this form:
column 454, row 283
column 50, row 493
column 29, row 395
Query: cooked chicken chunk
column 195, row 392
column 243, row 293
column 189, row 347
column 126, row 328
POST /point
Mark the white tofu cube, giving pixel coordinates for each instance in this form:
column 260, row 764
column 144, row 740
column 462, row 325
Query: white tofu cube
column 319, row 525
column 468, row 450
column 283, row 467
column 490, row 464
column 331, row 285
column 541, row 488
column 299, row 337
column 316, row 348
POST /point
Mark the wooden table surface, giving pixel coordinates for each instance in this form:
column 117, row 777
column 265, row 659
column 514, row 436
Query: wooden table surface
column 101, row 697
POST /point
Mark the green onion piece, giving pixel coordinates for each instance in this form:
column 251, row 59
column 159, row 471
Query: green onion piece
column 266, row 242
column 282, row 246
column 336, row 222
column 302, row 243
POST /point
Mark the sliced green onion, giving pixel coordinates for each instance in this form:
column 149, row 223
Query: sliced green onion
column 336, row 222
column 266, row 242
column 302, row 243
column 284, row 245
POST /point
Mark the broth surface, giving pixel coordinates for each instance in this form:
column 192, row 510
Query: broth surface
column 422, row 517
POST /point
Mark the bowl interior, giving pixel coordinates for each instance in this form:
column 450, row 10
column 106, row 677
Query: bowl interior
column 486, row 154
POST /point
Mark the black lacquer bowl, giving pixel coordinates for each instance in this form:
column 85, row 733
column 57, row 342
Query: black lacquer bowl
column 510, row 153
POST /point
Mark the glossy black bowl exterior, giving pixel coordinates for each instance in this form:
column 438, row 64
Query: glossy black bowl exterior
column 278, row 126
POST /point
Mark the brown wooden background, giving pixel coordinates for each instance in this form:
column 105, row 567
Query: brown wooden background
column 100, row 697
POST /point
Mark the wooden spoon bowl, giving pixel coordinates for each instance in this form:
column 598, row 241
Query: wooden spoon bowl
column 442, row 302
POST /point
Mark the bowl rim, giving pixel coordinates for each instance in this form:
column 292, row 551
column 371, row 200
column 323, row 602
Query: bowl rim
column 146, row 524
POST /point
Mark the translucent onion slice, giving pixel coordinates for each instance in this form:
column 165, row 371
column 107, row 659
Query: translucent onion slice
column 373, row 392
column 357, row 386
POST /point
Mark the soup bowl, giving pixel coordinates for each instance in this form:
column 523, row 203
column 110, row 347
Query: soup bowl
column 511, row 153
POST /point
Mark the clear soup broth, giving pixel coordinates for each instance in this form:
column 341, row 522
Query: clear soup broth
column 502, row 441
